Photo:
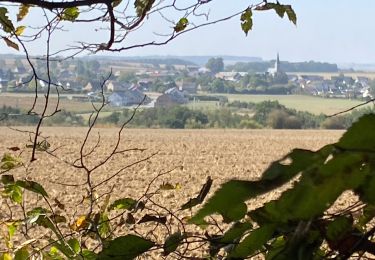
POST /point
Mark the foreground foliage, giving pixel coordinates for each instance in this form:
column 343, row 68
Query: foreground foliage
column 301, row 224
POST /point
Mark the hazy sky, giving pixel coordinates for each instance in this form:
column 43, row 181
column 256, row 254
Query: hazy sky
column 328, row 30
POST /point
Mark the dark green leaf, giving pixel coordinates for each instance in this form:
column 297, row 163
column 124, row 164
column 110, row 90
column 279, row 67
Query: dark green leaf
column 339, row 227
column 33, row 187
column 116, row 3
column 316, row 191
column 126, row 247
column 230, row 238
column 232, row 195
column 151, row 218
column 201, row 196
column 235, row 232
column 172, row 242
column 358, row 135
column 89, row 255
column 125, row 203
column 5, row 22
column 291, row 14
column 253, row 242
column 21, row 254
column 167, row 186
column 247, row 21
column 34, row 214
column 7, row 179
column 181, row 25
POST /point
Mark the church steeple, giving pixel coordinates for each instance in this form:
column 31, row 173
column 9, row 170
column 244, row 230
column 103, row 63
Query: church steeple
column 277, row 64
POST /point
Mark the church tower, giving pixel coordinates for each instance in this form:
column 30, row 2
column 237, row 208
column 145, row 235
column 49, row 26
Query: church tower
column 277, row 64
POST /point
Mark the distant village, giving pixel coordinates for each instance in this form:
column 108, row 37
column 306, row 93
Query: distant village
column 168, row 84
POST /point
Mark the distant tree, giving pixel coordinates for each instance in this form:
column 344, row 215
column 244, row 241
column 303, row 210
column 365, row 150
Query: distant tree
column 128, row 77
column 372, row 88
column 215, row 65
column 93, row 65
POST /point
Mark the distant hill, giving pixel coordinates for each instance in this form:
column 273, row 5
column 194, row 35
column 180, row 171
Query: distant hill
column 178, row 60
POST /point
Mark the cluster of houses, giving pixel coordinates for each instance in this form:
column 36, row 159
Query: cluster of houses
column 128, row 94
column 334, row 87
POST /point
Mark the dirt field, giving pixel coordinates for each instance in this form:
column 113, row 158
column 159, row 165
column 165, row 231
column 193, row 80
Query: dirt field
column 221, row 154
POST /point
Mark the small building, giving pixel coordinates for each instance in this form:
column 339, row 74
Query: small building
column 171, row 97
column 128, row 97
column 187, row 87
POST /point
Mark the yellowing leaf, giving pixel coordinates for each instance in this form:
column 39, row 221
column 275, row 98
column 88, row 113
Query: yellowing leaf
column 19, row 30
column 178, row 186
column 9, row 162
column 5, row 256
column 23, row 11
column 80, row 223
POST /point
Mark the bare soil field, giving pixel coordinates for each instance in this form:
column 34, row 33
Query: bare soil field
column 193, row 154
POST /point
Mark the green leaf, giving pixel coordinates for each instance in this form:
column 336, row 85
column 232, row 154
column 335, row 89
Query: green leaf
column 125, row 203
column 70, row 14
column 5, row 22
column 201, row 196
column 34, row 214
column 291, row 14
column 247, row 21
column 253, row 242
column 339, row 227
column 89, row 255
column 367, row 215
column 23, row 11
column 125, row 247
column 230, row 237
column 181, row 24
column 104, row 227
column 9, row 162
column 172, row 242
column 235, row 232
column 21, row 254
column 234, row 193
column 358, row 136
column 33, row 187
column 14, row 193
column 280, row 10
column 7, row 179
column 11, row 230
column 74, row 245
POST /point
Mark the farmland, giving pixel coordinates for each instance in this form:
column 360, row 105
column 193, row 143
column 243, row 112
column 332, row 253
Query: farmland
column 221, row 154
column 315, row 105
